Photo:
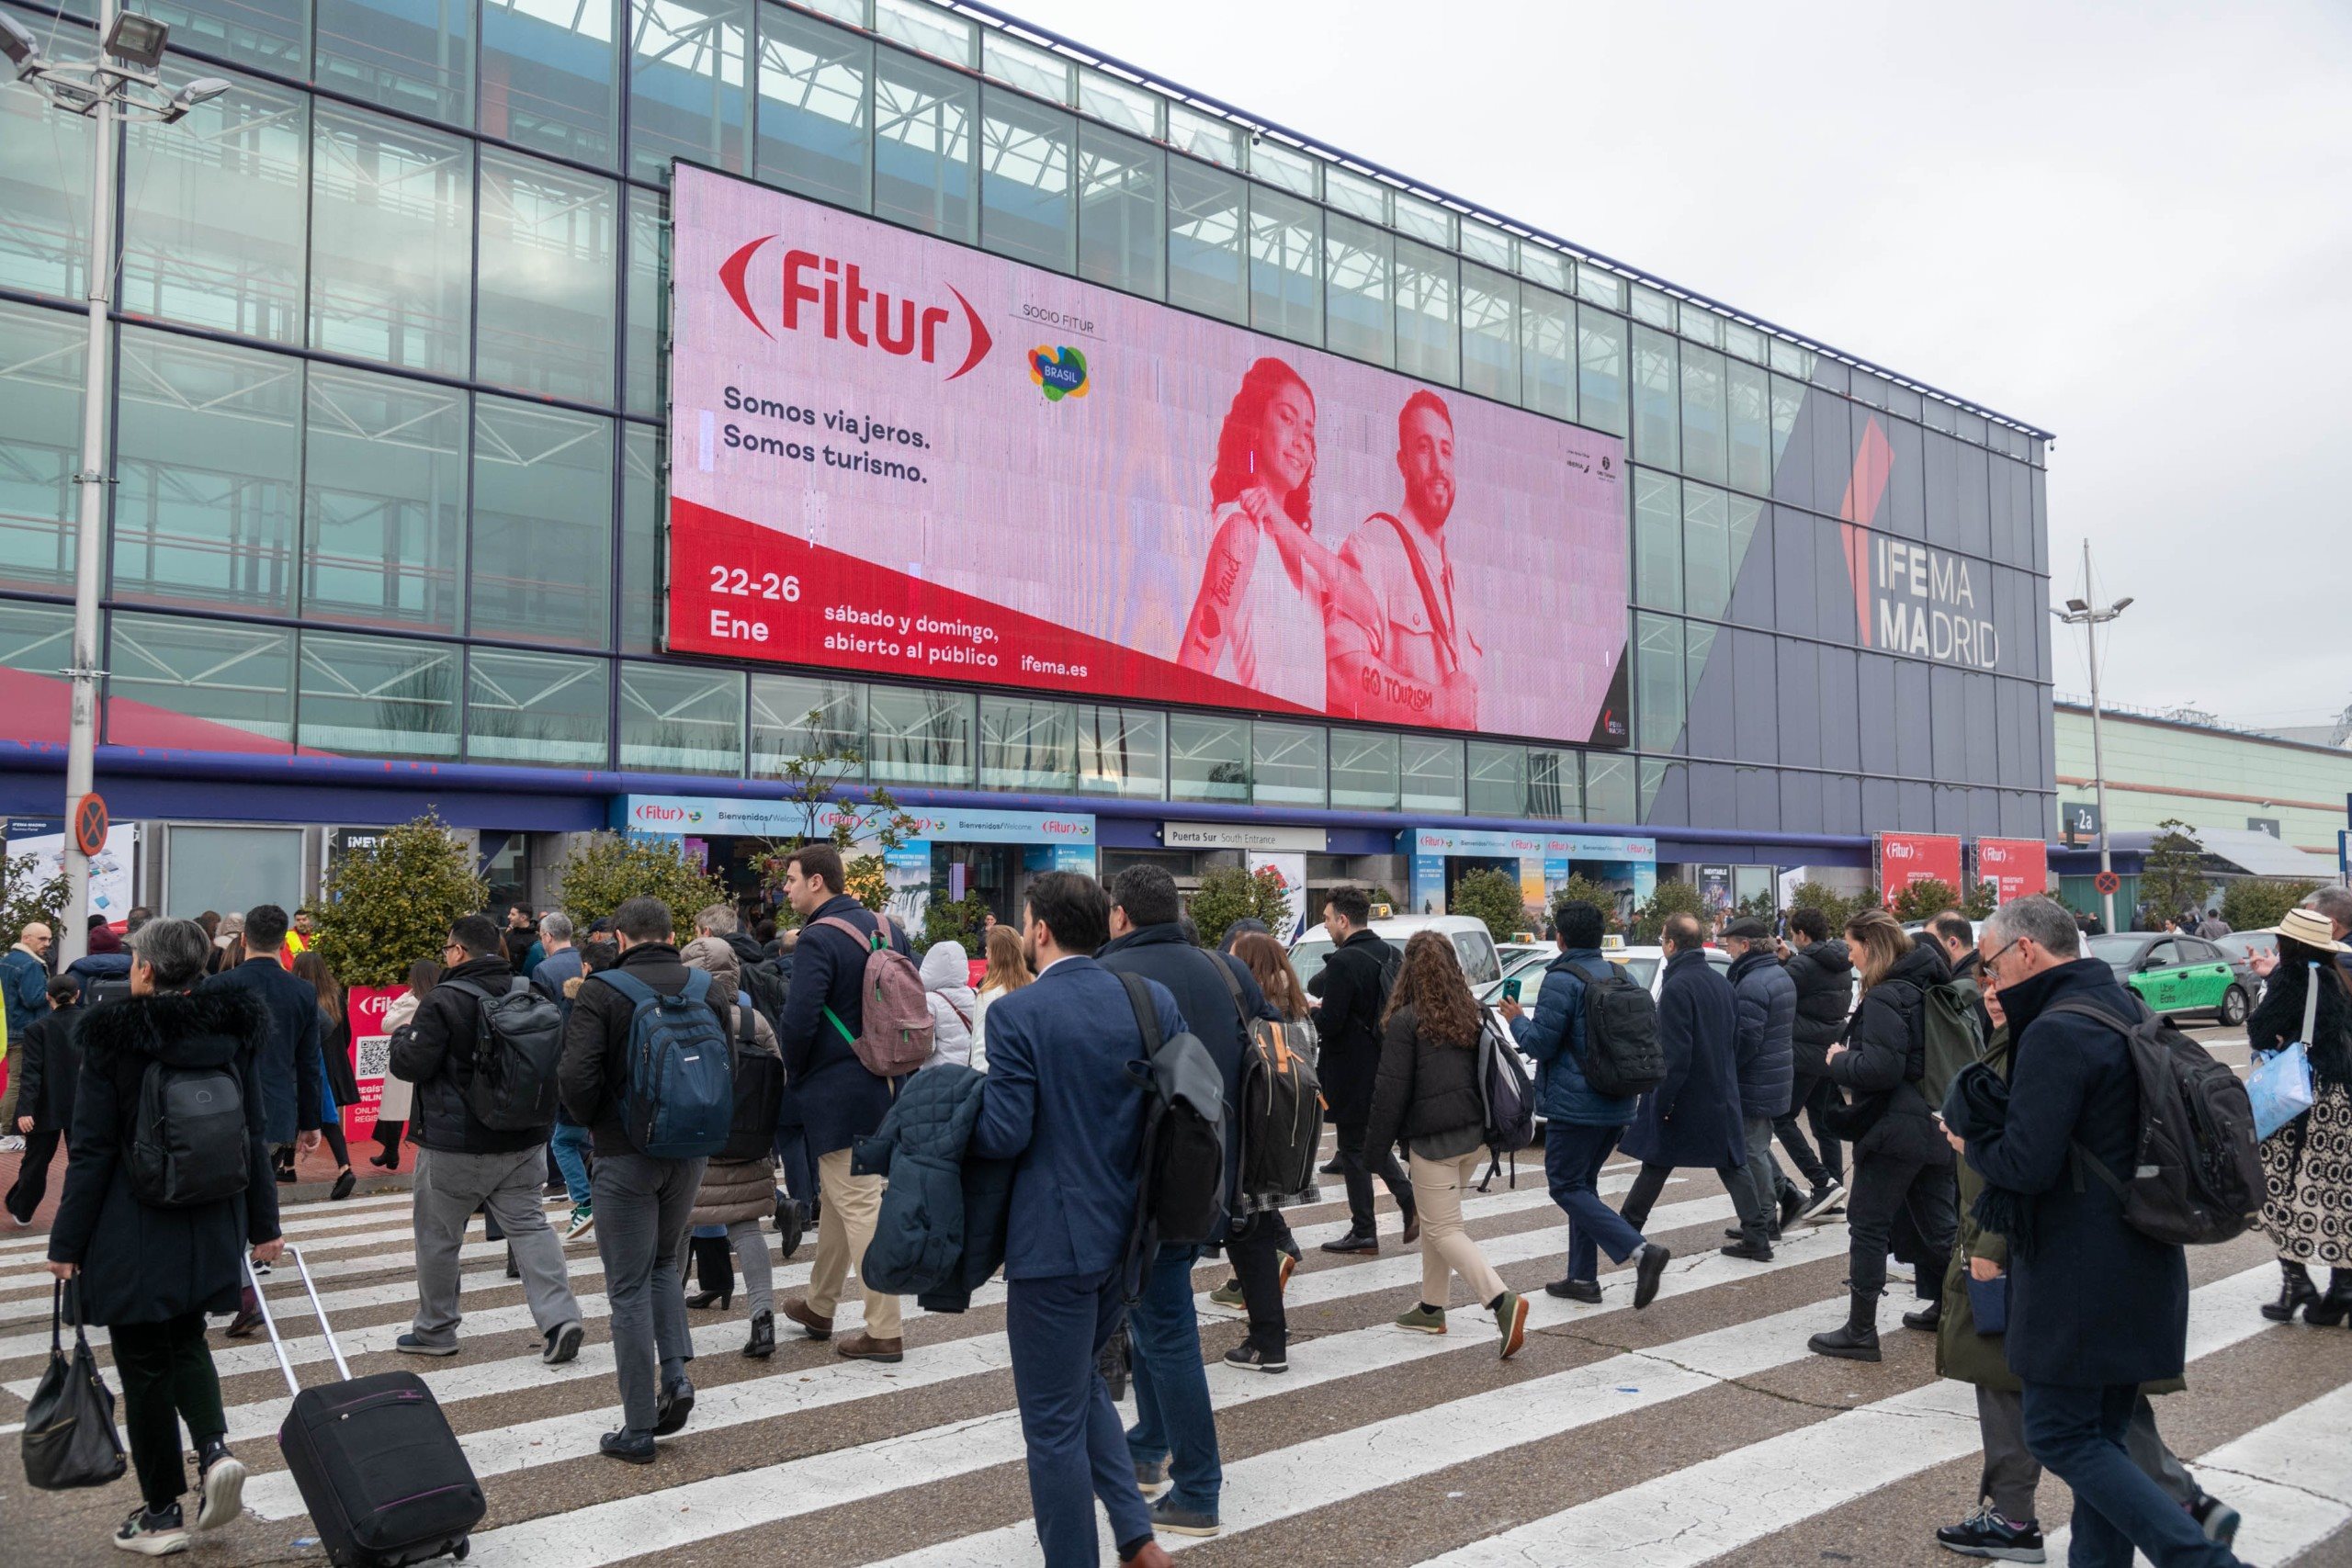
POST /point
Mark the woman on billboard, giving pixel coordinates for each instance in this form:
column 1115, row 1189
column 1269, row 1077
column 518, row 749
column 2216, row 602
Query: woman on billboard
column 1269, row 590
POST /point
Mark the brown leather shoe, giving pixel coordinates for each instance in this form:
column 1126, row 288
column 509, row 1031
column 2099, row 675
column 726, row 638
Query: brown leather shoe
column 863, row 1346
column 810, row 1324
column 1150, row 1554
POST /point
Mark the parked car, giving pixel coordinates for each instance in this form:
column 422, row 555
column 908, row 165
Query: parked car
column 2180, row 974
column 1522, row 961
column 2241, row 947
column 1473, row 945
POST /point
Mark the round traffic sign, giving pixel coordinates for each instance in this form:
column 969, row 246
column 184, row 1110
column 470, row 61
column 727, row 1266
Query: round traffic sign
column 90, row 823
column 2106, row 882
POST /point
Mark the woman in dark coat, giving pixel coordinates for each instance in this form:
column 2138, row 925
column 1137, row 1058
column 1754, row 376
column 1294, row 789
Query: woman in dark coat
column 151, row 1274
column 2307, row 1164
column 337, row 1086
column 1902, row 1163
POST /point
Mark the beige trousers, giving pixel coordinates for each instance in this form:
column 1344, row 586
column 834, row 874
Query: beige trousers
column 1446, row 1248
column 852, row 1204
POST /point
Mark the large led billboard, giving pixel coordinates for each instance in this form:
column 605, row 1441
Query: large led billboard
column 896, row 455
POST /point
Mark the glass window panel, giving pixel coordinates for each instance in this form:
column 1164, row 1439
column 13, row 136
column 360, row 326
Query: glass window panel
column 1498, row 779
column 1286, row 765
column 1121, row 216
column 796, row 717
column 1657, row 774
column 1356, row 196
column 416, row 55
column 1547, row 352
column 1749, row 404
column 538, row 707
column 550, row 76
column 1699, row 640
column 1652, row 308
column 45, row 186
column 1027, row 208
column 1208, row 757
column 1203, row 137
column 1703, row 454
column 1118, row 103
column 379, row 696
column 1658, row 689
column 1483, row 242
column 1035, row 71
column 271, row 34
column 1538, row 263
column 208, row 450
column 1275, row 164
column 1609, row 789
column 1285, row 266
column 162, row 671
column 646, row 318
column 1553, row 786
column 926, row 27
column 685, row 85
column 1359, row 313
column 918, row 737
column 1489, row 333
column 1123, row 751
column 1657, row 407
column 1423, row 220
column 391, row 264
column 1432, row 767
column 1027, row 744
column 543, row 524
column 1789, row 358
column 1429, row 342
column 1365, row 770
column 42, row 355
column 1706, row 551
column 1600, row 286
column 813, row 128
column 676, row 719
column 37, row 640
column 212, row 214
column 1657, row 540
column 549, row 257
column 924, row 146
column 1746, row 512
column 1700, row 324
column 383, row 500
column 1745, row 342
column 641, row 538
column 1206, row 270
column 1601, row 370
column 1788, row 398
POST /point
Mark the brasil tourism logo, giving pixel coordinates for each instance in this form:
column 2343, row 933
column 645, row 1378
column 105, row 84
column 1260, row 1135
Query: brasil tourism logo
column 1059, row 372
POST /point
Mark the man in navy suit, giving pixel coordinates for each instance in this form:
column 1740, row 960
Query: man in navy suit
column 1059, row 1103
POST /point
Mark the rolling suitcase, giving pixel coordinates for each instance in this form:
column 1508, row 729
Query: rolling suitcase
column 378, row 1466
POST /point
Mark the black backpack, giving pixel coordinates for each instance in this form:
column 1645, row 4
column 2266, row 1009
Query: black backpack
column 1506, row 1092
column 187, row 1139
column 766, row 984
column 1622, row 1054
column 759, row 1092
column 1180, row 1186
column 2197, row 1176
column 518, row 1042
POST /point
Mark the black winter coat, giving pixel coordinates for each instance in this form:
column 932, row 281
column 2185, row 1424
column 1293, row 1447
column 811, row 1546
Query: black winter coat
column 437, row 1056
column 1824, row 973
column 140, row 1264
column 1693, row 1118
column 1886, row 1057
column 831, row 1093
column 288, row 1066
column 1347, row 1025
column 2280, row 1020
column 594, row 1070
column 1766, row 1002
column 1425, row 1088
column 46, row 1060
column 941, row 1232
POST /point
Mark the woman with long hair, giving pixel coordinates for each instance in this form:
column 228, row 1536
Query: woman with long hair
column 1008, row 970
column 1263, row 1251
column 1902, row 1162
column 391, row 1108
column 1427, row 1092
column 337, row 1085
column 1269, row 589
column 2307, row 1206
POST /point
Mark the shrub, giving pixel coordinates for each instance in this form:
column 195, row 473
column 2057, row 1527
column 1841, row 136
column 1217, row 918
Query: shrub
column 1834, row 906
column 1491, row 897
column 1925, row 899
column 954, row 920
column 25, row 898
column 2172, row 877
column 2251, row 904
column 1583, row 889
column 1229, row 894
column 391, row 903
column 1669, row 898
column 606, row 870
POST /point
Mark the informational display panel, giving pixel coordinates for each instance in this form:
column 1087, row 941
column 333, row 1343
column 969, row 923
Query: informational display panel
column 896, row 455
column 2017, row 868
column 1907, row 857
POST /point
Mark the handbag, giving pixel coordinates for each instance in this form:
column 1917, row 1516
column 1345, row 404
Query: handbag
column 1988, row 1304
column 2280, row 1084
column 70, row 1440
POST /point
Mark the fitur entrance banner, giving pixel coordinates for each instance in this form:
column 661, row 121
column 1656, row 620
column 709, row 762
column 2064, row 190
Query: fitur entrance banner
column 1906, row 858
column 899, row 456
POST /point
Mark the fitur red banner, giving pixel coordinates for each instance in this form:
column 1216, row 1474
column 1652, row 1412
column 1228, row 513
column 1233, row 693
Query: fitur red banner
column 1907, row 857
column 371, row 1052
column 2019, row 868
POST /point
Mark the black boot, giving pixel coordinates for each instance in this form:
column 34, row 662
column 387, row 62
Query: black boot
column 2296, row 1292
column 715, row 1265
column 2332, row 1308
column 763, row 1342
column 1858, row 1341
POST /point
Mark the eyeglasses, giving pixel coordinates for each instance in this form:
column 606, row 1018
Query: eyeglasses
column 1994, row 956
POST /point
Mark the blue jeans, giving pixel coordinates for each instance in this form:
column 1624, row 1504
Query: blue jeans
column 1055, row 1328
column 570, row 1143
column 2079, row 1434
column 1572, row 1160
column 1173, row 1418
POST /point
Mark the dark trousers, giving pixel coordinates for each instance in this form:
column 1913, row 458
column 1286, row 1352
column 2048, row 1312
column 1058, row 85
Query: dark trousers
column 800, row 1172
column 1173, row 1420
column 1256, row 1253
column 1572, row 1160
column 642, row 1207
column 2080, row 1436
column 1812, row 1098
column 2012, row 1475
column 1642, row 1197
column 33, row 1175
column 1755, row 1184
column 1078, row 1453
column 1925, row 1195
column 1357, row 1168
column 168, row 1378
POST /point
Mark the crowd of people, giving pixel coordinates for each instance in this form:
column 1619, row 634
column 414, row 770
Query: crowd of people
column 1945, row 1090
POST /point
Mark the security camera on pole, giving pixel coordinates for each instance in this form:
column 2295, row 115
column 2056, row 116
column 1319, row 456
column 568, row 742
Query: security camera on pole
column 120, row 79
column 2078, row 613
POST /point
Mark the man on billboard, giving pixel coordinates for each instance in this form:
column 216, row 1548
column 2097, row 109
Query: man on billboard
column 1414, row 662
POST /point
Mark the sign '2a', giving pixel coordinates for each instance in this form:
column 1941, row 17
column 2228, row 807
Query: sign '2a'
column 90, row 823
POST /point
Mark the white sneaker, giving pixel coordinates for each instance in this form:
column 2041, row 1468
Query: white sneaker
column 13, row 1143
column 153, row 1535
column 222, row 1486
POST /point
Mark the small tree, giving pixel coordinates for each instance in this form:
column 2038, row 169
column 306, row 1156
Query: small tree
column 2172, row 877
column 1925, row 899
column 1491, row 897
column 959, row 920
column 1835, row 909
column 819, row 785
column 391, row 903
column 1229, row 894
column 2249, row 903
column 1981, row 901
column 606, row 870
column 1584, row 890
column 28, row 898
column 1669, row 898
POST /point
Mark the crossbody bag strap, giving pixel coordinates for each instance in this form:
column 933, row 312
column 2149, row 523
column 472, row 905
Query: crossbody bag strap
column 1441, row 617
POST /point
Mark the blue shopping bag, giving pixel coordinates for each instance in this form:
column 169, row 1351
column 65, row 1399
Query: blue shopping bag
column 2280, row 1088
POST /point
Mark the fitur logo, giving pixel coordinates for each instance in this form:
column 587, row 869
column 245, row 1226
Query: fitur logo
column 1059, row 372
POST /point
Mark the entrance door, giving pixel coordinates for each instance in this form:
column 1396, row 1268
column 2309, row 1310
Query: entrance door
column 990, row 871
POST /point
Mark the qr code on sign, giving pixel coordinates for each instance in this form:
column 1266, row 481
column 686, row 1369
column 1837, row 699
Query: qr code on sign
column 375, row 1057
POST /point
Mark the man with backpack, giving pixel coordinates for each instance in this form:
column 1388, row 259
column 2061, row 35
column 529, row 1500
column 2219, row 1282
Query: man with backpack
column 2097, row 1306
column 1352, row 988
column 648, row 1069
column 846, row 955
column 1581, row 1123
column 482, row 1063
column 1766, row 999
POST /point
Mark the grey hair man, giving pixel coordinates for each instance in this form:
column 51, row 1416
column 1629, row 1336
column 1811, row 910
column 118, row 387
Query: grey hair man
column 717, row 920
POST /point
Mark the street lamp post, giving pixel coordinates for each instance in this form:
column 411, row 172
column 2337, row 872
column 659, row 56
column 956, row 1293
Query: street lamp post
column 2079, row 613
column 119, row 81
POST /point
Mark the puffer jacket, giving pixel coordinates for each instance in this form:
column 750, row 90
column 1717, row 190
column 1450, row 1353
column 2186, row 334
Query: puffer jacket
column 1424, row 1088
column 1885, row 1059
column 1554, row 1035
column 954, row 1008
column 941, row 1233
column 733, row 1190
column 437, row 1057
column 1824, row 973
column 1766, row 1002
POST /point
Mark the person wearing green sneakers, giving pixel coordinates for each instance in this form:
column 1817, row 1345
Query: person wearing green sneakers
column 1427, row 1092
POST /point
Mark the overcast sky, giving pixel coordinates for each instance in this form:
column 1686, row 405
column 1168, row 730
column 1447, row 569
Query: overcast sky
column 2130, row 225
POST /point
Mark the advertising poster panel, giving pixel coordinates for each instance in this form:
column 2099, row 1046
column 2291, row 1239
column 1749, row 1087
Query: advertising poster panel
column 1292, row 869
column 1907, row 857
column 897, row 455
column 371, row 1054
column 2017, row 868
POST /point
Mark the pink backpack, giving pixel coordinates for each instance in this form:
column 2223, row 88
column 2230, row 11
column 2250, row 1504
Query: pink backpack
column 895, row 1039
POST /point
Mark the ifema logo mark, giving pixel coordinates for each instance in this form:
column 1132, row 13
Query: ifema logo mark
column 1059, row 372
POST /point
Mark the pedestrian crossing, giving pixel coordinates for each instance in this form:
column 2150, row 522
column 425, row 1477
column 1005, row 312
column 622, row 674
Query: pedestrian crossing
column 1698, row 1431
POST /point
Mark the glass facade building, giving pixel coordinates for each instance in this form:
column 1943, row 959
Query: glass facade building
column 387, row 434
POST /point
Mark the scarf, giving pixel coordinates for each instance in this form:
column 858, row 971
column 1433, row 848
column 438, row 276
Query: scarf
column 1977, row 1107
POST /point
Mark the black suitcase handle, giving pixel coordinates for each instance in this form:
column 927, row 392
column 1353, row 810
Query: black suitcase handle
column 261, row 1300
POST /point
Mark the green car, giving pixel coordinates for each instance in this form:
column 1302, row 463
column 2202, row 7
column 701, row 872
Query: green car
column 2180, row 974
